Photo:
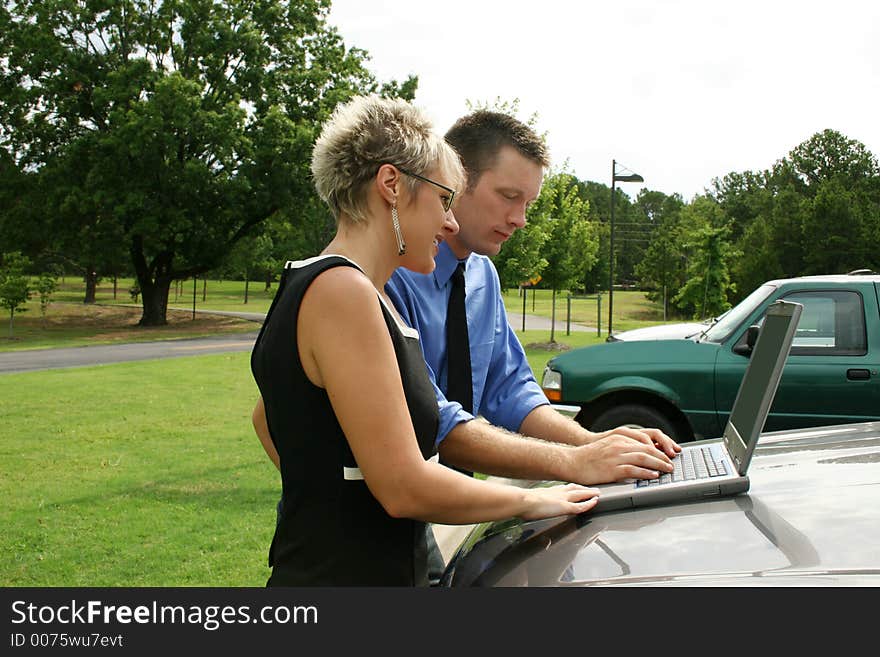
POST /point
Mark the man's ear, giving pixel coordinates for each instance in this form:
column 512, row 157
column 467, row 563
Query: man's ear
column 387, row 183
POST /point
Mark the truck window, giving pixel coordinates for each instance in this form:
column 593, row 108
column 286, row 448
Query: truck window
column 832, row 324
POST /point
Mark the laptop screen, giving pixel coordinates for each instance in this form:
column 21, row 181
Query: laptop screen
column 759, row 383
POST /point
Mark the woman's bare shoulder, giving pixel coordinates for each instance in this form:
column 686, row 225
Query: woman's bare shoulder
column 342, row 292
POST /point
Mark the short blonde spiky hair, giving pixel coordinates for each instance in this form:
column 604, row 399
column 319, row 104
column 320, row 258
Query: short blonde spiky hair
column 367, row 132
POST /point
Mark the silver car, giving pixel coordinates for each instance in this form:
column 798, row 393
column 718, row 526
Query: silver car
column 810, row 518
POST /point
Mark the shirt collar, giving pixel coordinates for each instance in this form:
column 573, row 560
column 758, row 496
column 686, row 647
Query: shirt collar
column 445, row 264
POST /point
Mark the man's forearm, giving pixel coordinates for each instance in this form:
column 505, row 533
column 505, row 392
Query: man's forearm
column 552, row 426
column 480, row 447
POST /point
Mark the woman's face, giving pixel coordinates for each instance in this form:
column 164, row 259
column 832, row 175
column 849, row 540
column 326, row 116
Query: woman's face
column 425, row 223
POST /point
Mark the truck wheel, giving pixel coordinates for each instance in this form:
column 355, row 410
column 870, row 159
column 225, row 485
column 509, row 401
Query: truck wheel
column 635, row 415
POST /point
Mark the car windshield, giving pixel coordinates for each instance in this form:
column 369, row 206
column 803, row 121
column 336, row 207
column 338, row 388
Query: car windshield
column 728, row 322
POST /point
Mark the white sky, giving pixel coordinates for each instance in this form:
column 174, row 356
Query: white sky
column 679, row 91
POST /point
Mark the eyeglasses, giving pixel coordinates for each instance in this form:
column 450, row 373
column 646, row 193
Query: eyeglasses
column 447, row 200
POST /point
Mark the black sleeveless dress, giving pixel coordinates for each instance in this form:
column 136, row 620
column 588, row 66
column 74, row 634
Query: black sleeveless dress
column 331, row 531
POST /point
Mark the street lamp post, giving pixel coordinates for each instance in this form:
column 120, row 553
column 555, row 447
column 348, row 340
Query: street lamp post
column 615, row 178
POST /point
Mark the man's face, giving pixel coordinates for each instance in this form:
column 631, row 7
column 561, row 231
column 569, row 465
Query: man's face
column 489, row 213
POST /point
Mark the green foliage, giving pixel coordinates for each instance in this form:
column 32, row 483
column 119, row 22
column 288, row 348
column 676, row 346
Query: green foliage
column 598, row 197
column 572, row 245
column 816, row 211
column 164, row 133
column 829, row 155
column 631, row 228
column 46, row 286
column 301, row 234
column 521, row 259
column 252, row 258
column 14, row 284
column 705, row 293
column 661, row 272
column 572, row 242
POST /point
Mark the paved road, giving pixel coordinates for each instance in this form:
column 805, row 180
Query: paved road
column 533, row 322
column 44, row 359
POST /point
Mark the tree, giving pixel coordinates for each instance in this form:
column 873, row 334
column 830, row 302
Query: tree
column 172, row 129
column 252, row 257
column 46, row 286
column 743, row 197
column 300, row 234
column 520, row 259
column 705, row 293
column 661, row 271
column 598, row 197
column 19, row 203
column 14, row 285
column 628, row 225
column 830, row 155
column 572, row 245
column 815, row 211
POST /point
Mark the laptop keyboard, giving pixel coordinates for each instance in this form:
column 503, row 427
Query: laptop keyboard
column 692, row 463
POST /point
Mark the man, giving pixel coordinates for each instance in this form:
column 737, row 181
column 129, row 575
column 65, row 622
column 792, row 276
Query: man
column 505, row 162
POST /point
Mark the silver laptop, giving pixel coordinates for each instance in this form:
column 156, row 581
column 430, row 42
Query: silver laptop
column 713, row 468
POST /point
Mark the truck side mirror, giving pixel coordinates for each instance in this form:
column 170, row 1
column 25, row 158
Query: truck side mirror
column 751, row 338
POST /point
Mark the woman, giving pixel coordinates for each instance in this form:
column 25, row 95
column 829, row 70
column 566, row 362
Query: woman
column 347, row 397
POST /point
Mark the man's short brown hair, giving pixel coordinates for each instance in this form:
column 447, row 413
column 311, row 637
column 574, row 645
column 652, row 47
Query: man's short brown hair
column 479, row 136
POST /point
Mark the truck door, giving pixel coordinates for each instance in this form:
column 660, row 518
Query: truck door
column 831, row 375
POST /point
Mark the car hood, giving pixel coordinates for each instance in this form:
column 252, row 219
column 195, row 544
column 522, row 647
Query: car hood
column 811, row 516
column 661, row 332
column 682, row 353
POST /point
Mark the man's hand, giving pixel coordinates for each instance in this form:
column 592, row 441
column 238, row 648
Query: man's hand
column 616, row 457
column 653, row 437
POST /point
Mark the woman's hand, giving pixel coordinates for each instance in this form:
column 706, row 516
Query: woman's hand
column 563, row 500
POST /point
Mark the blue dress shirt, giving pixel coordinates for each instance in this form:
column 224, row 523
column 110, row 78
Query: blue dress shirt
column 505, row 391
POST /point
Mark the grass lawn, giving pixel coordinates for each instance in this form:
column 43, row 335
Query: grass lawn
column 539, row 350
column 211, row 294
column 136, row 474
column 142, row 474
column 631, row 309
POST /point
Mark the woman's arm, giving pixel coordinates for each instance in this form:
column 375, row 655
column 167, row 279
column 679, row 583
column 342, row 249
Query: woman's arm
column 345, row 348
column 261, row 426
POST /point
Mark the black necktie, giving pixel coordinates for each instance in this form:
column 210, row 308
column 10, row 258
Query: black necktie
column 459, row 386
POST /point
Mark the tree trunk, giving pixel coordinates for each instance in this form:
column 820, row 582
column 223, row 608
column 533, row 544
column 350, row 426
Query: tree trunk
column 11, row 319
column 553, row 317
column 155, row 302
column 204, row 289
column 245, row 288
column 115, row 282
column 91, row 285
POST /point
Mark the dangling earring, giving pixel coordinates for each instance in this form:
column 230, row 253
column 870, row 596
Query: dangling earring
column 395, row 222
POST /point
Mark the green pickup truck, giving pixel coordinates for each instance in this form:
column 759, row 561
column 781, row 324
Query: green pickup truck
column 686, row 386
